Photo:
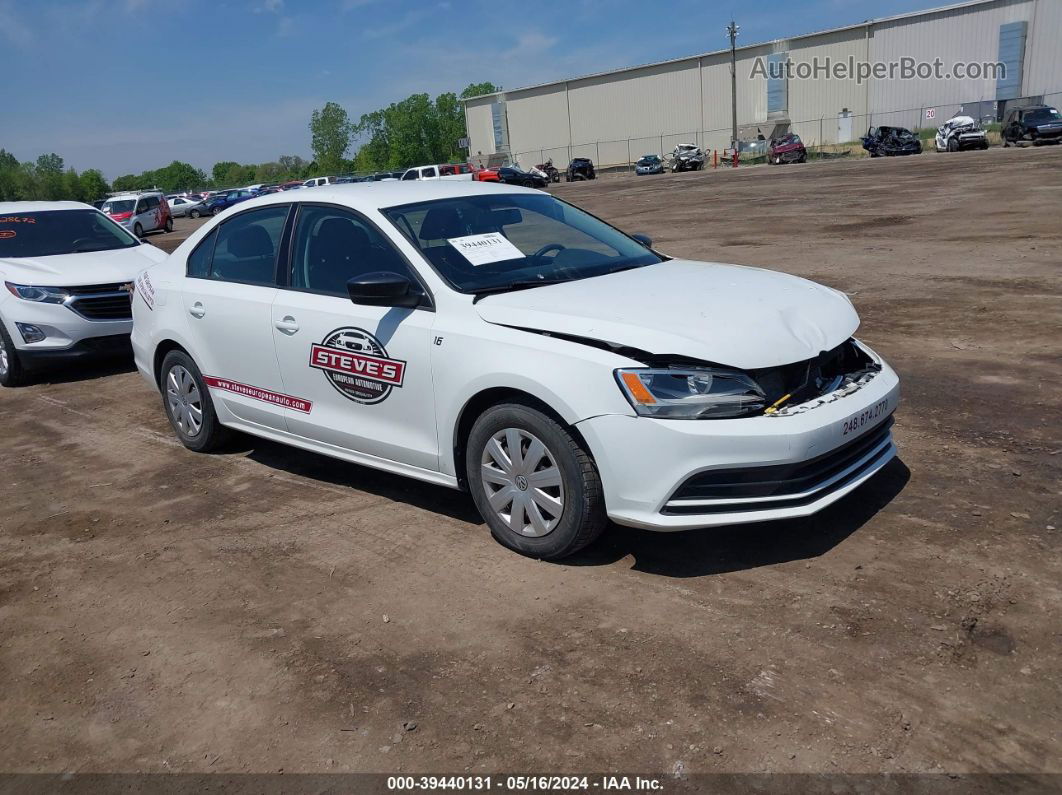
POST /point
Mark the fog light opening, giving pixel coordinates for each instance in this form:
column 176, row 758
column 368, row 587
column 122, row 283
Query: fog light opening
column 30, row 333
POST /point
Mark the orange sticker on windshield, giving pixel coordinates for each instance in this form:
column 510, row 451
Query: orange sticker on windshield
column 6, row 233
column 15, row 219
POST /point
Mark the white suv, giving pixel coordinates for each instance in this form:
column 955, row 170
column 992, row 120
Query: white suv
column 498, row 339
column 140, row 211
column 67, row 270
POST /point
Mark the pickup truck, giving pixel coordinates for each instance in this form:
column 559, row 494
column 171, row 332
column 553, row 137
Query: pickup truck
column 450, row 171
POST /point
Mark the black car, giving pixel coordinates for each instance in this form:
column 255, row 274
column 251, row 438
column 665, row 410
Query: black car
column 511, row 175
column 1033, row 124
column 891, row 142
column 580, row 168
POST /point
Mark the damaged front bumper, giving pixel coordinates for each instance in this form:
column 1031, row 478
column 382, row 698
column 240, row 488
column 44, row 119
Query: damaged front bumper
column 686, row 474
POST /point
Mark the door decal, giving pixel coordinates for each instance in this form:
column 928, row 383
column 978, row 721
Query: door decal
column 357, row 365
column 276, row 398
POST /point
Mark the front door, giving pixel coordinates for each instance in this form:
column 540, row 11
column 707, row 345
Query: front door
column 228, row 298
column 364, row 370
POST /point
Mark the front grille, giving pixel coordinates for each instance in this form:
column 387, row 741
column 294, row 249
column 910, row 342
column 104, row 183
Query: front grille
column 101, row 301
column 778, row 479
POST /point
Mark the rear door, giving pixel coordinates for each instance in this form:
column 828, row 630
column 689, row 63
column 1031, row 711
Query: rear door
column 228, row 297
column 364, row 369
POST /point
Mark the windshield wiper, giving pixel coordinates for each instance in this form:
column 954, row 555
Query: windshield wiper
column 520, row 284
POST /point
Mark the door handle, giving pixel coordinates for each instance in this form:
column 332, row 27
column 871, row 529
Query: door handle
column 197, row 310
column 287, row 325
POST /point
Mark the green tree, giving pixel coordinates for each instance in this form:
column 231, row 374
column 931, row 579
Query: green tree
column 93, row 185
column 71, row 186
column 476, row 89
column 294, row 167
column 126, row 182
column 49, row 173
column 220, row 170
column 330, row 133
column 179, row 176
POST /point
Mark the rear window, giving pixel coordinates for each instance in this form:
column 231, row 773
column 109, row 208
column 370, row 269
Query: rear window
column 1043, row 116
column 45, row 234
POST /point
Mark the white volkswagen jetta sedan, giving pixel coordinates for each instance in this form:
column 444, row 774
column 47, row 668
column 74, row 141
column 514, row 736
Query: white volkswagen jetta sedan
column 498, row 339
column 67, row 269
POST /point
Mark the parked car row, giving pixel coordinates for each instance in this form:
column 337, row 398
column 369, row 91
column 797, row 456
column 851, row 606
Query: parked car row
column 488, row 338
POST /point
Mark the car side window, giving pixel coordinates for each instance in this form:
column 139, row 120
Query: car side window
column 246, row 247
column 411, row 174
column 429, row 172
column 331, row 246
column 199, row 259
column 141, row 206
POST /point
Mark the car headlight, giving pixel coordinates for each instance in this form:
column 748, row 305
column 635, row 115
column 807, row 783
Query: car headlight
column 691, row 394
column 42, row 295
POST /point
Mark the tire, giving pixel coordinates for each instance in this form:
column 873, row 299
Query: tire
column 169, row 224
column 215, row 211
column 575, row 485
column 194, row 214
column 183, row 396
column 138, row 230
column 11, row 370
column 953, row 145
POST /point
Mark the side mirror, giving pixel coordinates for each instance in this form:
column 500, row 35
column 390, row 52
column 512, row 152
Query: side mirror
column 384, row 289
column 645, row 240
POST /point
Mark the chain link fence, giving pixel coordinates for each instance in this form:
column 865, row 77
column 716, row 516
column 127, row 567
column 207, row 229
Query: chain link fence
column 832, row 136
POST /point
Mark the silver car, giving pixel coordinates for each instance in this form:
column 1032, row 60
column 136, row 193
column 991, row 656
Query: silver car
column 181, row 207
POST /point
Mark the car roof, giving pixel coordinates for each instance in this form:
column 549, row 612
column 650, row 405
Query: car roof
column 9, row 208
column 370, row 196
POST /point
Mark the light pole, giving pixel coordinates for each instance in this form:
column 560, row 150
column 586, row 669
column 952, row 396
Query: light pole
column 732, row 31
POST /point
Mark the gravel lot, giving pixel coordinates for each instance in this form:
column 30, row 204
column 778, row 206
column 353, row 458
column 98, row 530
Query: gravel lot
column 268, row 609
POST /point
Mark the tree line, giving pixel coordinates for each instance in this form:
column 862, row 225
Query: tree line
column 415, row 131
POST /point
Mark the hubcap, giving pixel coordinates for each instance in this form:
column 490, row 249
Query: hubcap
column 522, row 482
column 184, row 401
column 3, row 359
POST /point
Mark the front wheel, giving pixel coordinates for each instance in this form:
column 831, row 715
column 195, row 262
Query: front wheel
column 169, row 224
column 533, row 482
column 215, row 211
column 188, row 404
column 138, row 230
column 11, row 372
column 953, row 145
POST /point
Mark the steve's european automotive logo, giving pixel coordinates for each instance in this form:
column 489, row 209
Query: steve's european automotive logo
column 357, row 365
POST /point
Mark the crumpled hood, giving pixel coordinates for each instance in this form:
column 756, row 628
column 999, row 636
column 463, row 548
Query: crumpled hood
column 728, row 314
column 71, row 270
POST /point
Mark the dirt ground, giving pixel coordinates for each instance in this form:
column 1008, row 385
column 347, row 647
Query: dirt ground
column 268, row 609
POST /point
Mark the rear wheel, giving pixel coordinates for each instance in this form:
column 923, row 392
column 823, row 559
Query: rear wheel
column 194, row 213
column 11, row 372
column 215, row 211
column 534, row 484
column 188, row 404
column 169, row 224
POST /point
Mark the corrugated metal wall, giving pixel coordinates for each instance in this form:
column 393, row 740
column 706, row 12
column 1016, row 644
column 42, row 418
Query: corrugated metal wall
column 970, row 34
column 1043, row 50
column 650, row 109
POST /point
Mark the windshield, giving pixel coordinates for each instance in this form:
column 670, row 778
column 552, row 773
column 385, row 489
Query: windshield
column 1043, row 116
column 45, row 234
column 486, row 242
column 122, row 206
column 648, row 160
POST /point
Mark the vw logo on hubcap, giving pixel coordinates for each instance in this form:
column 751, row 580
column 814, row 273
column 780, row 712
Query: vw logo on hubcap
column 521, row 483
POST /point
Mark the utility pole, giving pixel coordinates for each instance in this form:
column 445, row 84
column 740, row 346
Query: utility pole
column 732, row 32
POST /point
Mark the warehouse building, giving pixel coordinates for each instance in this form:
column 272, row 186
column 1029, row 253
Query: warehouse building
column 615, row 117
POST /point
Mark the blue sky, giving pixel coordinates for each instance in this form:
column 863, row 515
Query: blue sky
column 127, row 85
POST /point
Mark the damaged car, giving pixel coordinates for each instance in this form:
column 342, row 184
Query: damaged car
column 891, row 142
column 686, row 157
column 498, row 340
column 787, row 148
column 960, row 133
column 1032, row 124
